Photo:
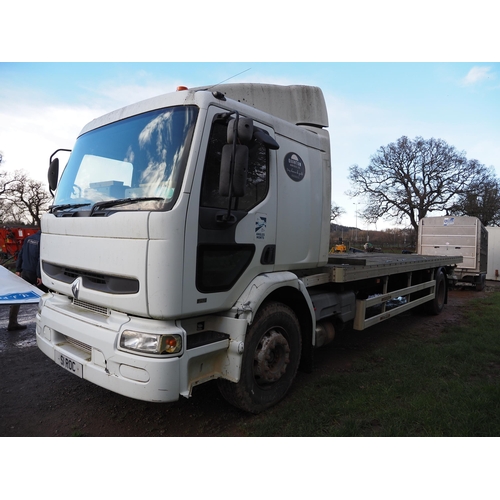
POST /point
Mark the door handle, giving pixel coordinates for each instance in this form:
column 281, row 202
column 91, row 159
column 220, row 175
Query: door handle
column 268, row 255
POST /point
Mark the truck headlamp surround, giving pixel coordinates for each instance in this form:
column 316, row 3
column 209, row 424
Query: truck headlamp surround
column 150, row 343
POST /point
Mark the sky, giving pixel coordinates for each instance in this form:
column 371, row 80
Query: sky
column 386, row 69
column 43, row 106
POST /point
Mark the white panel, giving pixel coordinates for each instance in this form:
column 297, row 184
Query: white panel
column 298, row 104
column 165, row 278
column 301, row 201
column 126, row 224
column 493, row 253
column 451, row 236
column 118, row 257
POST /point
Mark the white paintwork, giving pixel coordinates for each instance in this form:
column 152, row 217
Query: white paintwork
column 302, row 229
column 450, row 235
column 157, row 379
column 493, row 253
column 297, row 104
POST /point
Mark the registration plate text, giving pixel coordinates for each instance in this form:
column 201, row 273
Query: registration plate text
column 69, row 364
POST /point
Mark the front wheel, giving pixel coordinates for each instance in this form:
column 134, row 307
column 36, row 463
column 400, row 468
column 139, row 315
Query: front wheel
column 270, row 360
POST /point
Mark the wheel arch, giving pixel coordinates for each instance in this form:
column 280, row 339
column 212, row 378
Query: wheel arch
column 287, row 288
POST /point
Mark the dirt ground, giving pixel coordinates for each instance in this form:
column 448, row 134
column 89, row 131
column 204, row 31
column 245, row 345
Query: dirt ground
column 38, row 398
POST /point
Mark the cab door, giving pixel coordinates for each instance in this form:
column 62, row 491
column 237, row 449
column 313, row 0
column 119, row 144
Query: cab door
column 235, row 236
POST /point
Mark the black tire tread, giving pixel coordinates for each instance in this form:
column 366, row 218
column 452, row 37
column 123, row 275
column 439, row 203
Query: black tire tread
column 241, row 394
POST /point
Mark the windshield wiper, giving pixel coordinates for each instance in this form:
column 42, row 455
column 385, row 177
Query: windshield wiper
column 57, row 208
column 122, row 201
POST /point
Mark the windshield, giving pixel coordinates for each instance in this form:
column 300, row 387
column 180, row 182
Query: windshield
column 139, row 157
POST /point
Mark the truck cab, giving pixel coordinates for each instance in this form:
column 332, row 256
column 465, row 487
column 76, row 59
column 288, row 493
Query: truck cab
column 166, row 213
column 140, row 210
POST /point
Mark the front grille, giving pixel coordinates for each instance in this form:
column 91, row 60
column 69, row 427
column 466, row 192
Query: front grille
column 100, row 282
column 79, row 345
column 91, row 307
column 72, row 274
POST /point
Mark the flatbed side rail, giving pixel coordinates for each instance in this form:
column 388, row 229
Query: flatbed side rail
column 345, row 269
column 360, row 320
column 372, row 266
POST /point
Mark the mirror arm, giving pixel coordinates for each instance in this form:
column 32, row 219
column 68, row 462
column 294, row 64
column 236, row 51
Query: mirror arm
column 231, row 166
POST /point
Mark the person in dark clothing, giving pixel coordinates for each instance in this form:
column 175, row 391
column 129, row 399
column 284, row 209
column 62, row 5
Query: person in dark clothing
column 28, row 260
column 28, row 267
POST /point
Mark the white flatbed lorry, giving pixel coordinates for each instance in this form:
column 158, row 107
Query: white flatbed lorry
column 188, row 241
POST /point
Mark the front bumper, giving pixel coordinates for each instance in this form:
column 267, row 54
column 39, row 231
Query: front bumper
column 91, row 339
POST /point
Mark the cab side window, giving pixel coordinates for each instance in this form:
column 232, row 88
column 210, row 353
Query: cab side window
column 257, row 176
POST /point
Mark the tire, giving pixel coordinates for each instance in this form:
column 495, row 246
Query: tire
column 270, row 360
column 482, row 283
column 436, row 305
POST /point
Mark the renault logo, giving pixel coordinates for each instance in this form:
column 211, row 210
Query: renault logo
column 75, row 287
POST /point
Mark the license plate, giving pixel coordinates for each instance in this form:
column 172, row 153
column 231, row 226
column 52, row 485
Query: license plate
column 69, row 364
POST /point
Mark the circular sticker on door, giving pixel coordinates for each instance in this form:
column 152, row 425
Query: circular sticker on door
column 294, row 167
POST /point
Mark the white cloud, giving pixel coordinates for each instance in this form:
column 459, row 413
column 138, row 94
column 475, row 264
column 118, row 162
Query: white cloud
column 478, row 74
column 30, row 134
column 33, row 127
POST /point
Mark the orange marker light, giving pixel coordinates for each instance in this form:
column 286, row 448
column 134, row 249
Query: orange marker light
column 181, row 87
column 170, row 344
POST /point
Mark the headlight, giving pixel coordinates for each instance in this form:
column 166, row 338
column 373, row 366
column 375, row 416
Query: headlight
column 149, row 343
column 41, row 302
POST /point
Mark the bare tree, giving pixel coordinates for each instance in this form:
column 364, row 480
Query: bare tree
column 22, row 199
column 481, row 200
column 408, row 179
column 336, row 211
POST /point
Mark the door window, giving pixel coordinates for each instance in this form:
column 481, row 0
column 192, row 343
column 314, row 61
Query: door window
column 257, row 175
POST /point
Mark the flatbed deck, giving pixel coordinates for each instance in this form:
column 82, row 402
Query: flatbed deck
column 343, row 268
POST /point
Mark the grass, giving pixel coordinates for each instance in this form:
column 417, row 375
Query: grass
column 447, row 385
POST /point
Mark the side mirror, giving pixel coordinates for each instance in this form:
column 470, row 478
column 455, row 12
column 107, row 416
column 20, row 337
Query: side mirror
column 53, row 174
column 239, row 180
column 233, row 176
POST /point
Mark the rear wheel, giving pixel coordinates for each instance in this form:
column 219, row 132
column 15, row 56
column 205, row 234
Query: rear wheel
column 436, row 305
column 270, row 360
column 482, row 283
